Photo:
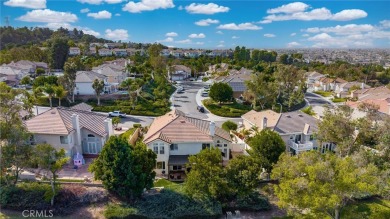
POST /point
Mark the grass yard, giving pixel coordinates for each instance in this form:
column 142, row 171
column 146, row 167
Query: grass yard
column 339, row 100
column 174, row 186
column 226, row 110
column 324, row 93
column 374, row 208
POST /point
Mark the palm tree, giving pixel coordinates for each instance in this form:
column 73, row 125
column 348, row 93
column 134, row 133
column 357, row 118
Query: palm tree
column 60, row 93
column 49, row 90
column 98, row 86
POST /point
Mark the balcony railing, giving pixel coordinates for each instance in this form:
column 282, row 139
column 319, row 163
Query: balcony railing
column 301, row 146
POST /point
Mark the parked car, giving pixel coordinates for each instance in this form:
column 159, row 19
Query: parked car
column 207, row 86
column 205, row 94
column 200, row 109
column 180, row 91
column 179, row 88
column 117, row 114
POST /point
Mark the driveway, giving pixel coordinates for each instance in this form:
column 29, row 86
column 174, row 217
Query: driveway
column 315, row 99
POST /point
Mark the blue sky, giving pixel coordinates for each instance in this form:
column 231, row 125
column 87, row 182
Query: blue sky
column 215, row 24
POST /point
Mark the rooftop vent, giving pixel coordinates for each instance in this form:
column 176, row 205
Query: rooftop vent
column 182, row 121
column 300, row 115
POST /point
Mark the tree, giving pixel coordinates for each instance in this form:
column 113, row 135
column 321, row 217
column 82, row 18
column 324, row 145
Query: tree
column 60, row 93
column 58, row 52
column 229, row 125
column 69, row 79
column 25, row 80
column 206, row 177
column 221, row 92
column 51, row 160
column 322, row 185
column 338, row 127
column 49, row 90
column 123, row 169
column 261, row 91
column 266, row 147
column 116, row 121
column 98, row 86
column 242, row 174
column 39, row 71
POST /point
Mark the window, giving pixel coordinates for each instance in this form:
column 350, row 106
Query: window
column 311, row 137
column 225, row 152
column 155, row 148
column 162, row 150
column 91, row 138
column 204, row 146
column 64, row 139
column 174, row 147
column 160, row 165
column 225, row 145
column 176, row 167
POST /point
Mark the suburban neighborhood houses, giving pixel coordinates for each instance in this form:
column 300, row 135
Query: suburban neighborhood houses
column 201, row 110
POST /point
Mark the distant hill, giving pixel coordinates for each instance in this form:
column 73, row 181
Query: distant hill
column 24, row 36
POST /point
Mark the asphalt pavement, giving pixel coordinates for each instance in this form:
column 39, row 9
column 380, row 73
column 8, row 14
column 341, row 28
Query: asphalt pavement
column 315, row 99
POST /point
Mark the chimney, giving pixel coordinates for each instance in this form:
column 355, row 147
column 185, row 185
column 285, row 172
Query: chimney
column 108, row 127
column 264, row 123
column 76, row 127
column 212, row 128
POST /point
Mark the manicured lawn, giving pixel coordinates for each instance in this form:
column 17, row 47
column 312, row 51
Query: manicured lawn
column 177, row 187
column 128, row 133
column 226, row 110
column 323, row 93
column 339, row 100
column 309, row 111
column 372, row 208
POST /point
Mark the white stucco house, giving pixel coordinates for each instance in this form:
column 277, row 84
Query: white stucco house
column 179, row 72
column 85, row 79
column 174, row 136
column 71, row 129
column 105, row 52
column 297, row 129
column 74, row 51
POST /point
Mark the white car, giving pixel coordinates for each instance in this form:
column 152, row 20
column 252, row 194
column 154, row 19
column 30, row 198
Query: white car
column 117, row 114
column 205, row 94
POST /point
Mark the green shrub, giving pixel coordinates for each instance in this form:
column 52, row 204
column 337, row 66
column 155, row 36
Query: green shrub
column 253, row 202
column 204, row 79
column 339, row 100
column 323, row 93
column 226, row 110
column 309, row 110
column 126, row 135
column 229, row 125
column 137, row 125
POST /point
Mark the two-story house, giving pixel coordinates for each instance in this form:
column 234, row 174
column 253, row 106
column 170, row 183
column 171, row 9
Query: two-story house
column 174, row 136
column 105, row 52
column 74, row 51
column 115, row 73
column 297, row 129
column 312, row 78
column 75, row 131
column 344, row 89
column 328, row 84
column 120, row 52
column 179, row 72
column 85, row 79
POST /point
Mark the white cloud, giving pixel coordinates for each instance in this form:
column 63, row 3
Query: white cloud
column 48, row 16
column 34, row 4
column 269, row 35
column 171, row 34
column 100, row 15
column 117, row 34
column 68, row 26
column 300, row 11
column 166, row 40
column 221, row 42
column 206, row 22
column 209, row 8
column 293, row 34
column 113, row 1
column 220, row 45
column 293, row 44
column 84, row 10
column 117, row 14
column 219, row 32
column 243, row 26
column 347, row 15
column 199, row 43
column 265, row 22
column 92, row 2
column 98, row 2
column 194, row 35
column 186, row 41
column 342, row 30
column 385, row 24
column 147, row 5
column 305, row 35
column 235, row 37
column 289, row 8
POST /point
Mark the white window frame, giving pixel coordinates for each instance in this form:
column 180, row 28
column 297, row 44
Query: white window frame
column 64, row 139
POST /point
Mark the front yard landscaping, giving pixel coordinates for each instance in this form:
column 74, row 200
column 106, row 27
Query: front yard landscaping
column 324, row 93
column 226, row 109
column 339, row 100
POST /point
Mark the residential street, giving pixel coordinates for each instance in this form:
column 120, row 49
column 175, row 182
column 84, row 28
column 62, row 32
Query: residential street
column 315, row 99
